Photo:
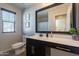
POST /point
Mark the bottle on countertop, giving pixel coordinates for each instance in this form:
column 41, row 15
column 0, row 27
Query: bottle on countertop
column 51, row 34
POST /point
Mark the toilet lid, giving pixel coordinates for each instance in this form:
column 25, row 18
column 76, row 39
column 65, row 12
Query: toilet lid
column 18, row 45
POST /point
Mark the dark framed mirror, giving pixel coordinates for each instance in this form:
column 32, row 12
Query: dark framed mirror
column 56, row 18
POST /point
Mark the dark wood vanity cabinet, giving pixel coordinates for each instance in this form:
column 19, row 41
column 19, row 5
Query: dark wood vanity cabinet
column 36, row 48
column 42, row 48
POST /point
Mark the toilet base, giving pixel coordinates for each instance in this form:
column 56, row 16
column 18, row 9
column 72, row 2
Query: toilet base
column 19, row 51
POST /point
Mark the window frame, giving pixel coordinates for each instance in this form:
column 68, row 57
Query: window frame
column 8, row 21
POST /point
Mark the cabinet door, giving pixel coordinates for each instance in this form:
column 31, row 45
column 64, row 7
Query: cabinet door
column 29, row 49
column 40, row 51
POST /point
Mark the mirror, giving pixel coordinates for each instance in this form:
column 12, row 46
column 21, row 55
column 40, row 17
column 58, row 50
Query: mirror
column 56, row 18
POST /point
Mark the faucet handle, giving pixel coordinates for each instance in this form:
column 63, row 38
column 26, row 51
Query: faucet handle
column 47, row 35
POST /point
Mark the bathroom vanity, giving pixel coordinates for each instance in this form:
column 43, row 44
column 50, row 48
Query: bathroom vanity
column 56, row 18
column 40, row 46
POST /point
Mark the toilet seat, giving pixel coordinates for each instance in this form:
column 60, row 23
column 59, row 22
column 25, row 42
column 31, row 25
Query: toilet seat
column 18, row 45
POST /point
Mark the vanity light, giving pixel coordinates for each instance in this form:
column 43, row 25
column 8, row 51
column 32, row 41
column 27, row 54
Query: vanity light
column 46, row 4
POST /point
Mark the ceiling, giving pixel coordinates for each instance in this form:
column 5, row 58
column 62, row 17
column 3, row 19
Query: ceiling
column 23, row 5
column 28, row 5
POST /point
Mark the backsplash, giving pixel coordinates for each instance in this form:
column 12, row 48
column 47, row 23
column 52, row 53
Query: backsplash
column 56, row 35
column 63, row 36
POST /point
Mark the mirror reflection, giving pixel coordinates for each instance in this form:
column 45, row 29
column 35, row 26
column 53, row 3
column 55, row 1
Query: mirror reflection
column 57, row 18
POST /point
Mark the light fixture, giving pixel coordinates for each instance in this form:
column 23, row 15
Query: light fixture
column 46, row 4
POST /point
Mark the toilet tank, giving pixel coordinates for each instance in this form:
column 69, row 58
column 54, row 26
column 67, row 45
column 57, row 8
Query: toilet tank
column 24, row 38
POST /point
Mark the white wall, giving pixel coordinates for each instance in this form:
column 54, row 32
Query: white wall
column 7, row 39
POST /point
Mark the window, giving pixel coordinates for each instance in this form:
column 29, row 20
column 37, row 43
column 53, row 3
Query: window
column 61, row 22
column 8, row 20
column 26, row 21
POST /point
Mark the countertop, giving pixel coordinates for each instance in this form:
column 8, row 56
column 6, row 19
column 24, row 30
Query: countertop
column 65, row 41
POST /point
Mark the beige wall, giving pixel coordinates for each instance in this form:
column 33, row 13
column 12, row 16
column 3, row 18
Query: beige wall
column 7, row 39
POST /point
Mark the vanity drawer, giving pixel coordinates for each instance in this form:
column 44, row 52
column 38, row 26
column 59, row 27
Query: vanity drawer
column 57, row 52
column 67, row 48
column 74, row 50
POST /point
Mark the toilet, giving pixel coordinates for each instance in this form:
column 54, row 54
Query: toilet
column 19, row 47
